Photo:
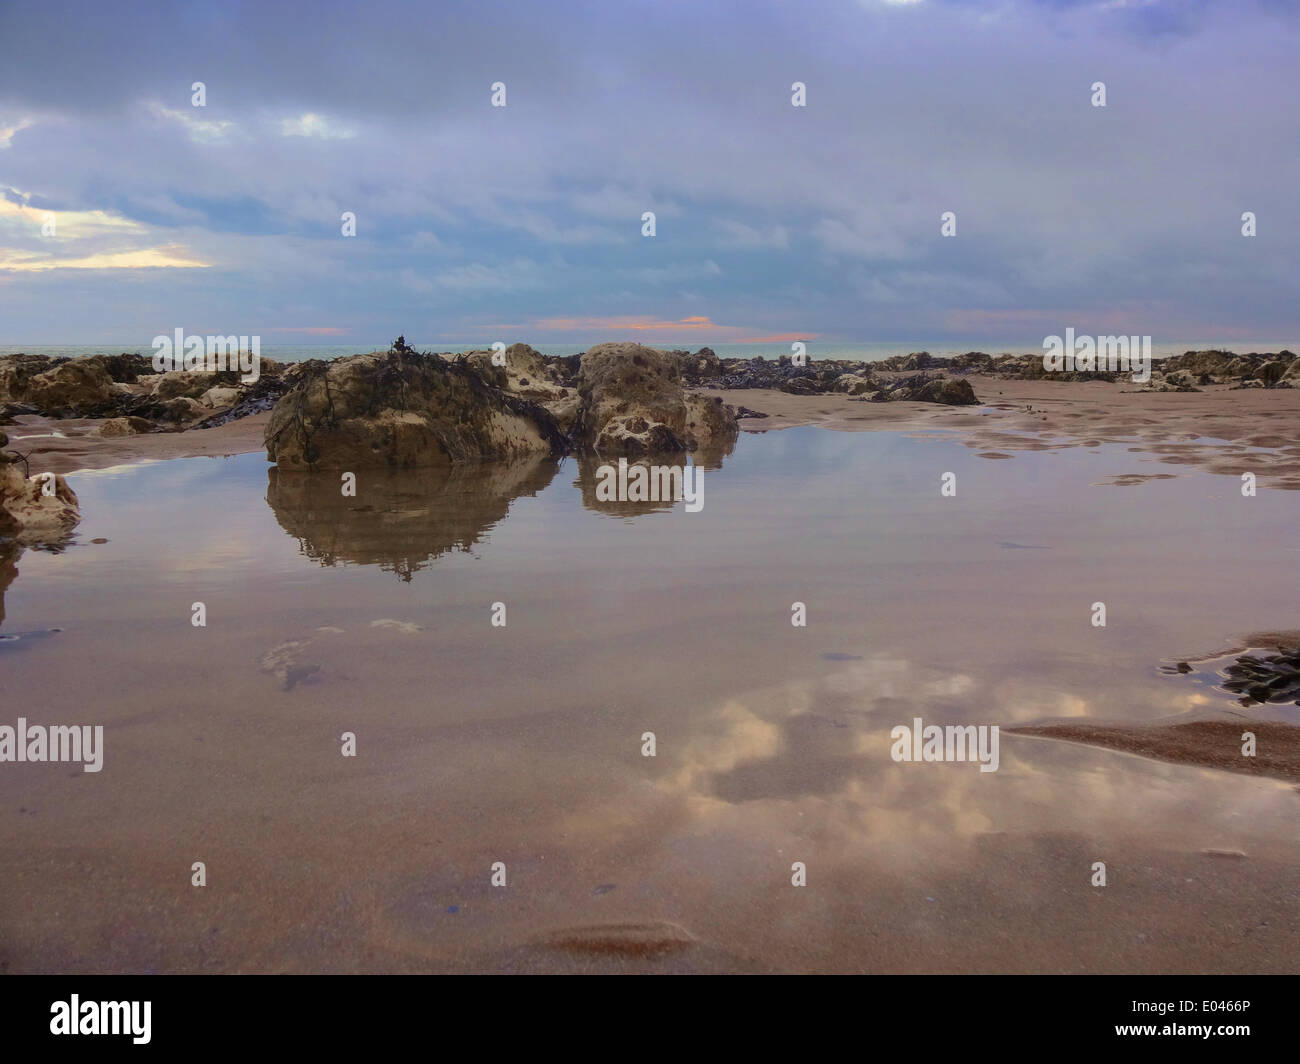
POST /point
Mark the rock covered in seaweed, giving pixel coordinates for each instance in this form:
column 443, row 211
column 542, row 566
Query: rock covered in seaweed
column 401, row 409
column 1271, row 678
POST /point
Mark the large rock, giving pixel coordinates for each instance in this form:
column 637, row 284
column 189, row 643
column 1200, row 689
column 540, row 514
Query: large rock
column 220, row 397
column 703, row 365
column 127, row 369
column 13, row 380
column 1215, row 363
column 401, row 409
column 633, row 403
column 917, row 360
column 803, row 385
column 1274, row 371
column 70, row 386
column 81, row 387
column 17, row 371
column 855, row 383
column 194, row 384
column 182, row 408
column 950, row 391
column 973, row 360
column 30, row 516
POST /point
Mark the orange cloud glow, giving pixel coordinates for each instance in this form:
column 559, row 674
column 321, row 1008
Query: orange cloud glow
column 614, row 326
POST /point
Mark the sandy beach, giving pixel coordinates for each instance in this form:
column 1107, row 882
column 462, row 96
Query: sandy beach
column 74, row 449
column 772, row 750
column 1219, row 429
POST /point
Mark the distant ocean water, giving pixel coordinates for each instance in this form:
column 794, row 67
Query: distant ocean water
column 864, row 352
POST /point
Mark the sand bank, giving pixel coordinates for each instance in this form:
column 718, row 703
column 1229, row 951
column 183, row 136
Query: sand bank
column 1219, row 429
column 74, row 449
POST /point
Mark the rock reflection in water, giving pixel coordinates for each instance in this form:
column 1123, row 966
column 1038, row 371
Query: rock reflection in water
column 590, row 478
column 401, row 520
column 10, row 552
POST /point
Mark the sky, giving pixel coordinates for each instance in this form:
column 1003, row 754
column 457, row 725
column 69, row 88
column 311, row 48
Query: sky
column 772, row 222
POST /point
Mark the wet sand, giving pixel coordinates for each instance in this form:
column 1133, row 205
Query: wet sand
column 1214, row 744
column 1219, row 429
column 523, row 744
column 74, row 449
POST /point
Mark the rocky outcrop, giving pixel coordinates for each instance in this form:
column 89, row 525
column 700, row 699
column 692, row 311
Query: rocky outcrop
column 1255, row 369
column 633, row 402
column 1213, row 363
column 73, row 387
column 1187, row 372
column 783, row 375
column 34, row 510
column 401, row 409
column 127, row 386
column 219, row 397
column 859, row 383
column 877, row 381
column 80, row 387
column 704, row 365
column 973, row 360
column 1272, row 372
column 949, row 391
column 17, row 371
column 188, row 384
column 127, row 369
